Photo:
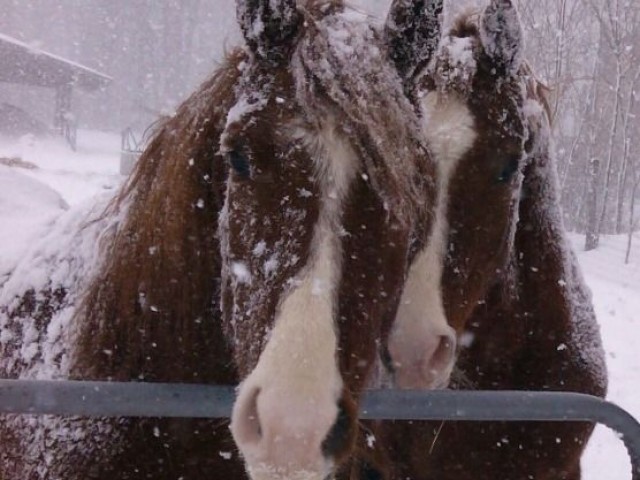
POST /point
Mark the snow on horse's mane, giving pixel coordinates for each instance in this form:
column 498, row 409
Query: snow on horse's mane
column 63, row 258
column 56, row 265
column 341, row 53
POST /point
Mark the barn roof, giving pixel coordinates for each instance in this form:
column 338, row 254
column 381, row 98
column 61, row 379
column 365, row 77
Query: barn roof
column 24, row 64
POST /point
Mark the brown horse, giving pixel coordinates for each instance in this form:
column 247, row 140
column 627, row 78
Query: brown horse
column 264, row 237
column 511, row 285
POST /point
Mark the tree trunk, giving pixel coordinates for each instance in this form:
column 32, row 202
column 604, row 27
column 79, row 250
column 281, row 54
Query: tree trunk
column 631, row 219
column 559, row 51
column 624, row 172
column 592, row 234
column 592, row 155
column 613, row 133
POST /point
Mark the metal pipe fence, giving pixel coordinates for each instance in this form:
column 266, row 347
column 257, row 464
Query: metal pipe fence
column 129, row 399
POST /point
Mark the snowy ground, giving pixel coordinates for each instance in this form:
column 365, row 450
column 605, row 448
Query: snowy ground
column 616, row 293
column 31, row 198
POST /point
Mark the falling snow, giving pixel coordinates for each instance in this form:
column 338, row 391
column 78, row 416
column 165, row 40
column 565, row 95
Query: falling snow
column 42, row 210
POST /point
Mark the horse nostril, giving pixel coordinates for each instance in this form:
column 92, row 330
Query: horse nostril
column 342, row 434
column 442, row 355
column 246, row 421
column 369, row 472
column 422, row 361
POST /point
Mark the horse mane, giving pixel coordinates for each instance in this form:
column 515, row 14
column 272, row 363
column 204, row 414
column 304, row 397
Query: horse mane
column 374, row 112
column 159, row 277
column 538, row 91
column 466, row 23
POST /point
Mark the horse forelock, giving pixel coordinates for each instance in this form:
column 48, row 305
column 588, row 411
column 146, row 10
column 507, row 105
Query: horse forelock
column 458, row 58
column 341, row 72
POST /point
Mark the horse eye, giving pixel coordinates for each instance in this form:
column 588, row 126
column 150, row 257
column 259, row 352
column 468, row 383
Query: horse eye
column 510, row 168
column 239, row 163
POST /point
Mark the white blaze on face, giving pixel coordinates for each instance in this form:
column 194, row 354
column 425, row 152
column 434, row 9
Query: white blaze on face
column 288, row 404
column 422, row 344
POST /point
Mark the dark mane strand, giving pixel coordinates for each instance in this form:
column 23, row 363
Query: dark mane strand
column 466, row 24
column 373, row 110
column 149, row 296
column 537, row 90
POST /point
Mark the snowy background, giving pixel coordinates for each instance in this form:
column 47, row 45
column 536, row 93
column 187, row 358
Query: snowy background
column 159, row 50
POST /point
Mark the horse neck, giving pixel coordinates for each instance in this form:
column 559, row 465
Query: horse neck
column 153, row 312
column 544, row 264
column 545, row 258
column 540, row 257
column 539, row 318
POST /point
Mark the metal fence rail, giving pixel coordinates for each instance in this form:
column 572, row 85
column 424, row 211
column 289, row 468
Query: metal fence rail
column 113, row 399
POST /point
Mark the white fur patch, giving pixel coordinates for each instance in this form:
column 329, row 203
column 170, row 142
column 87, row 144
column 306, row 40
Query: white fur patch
column 449, row 128
column 297, row 384
column 421, row 324
column 303, row 343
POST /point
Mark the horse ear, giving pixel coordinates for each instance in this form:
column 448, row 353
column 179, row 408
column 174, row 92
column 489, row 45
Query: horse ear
column 501, row 34
column 269, row 26
column 412, row 32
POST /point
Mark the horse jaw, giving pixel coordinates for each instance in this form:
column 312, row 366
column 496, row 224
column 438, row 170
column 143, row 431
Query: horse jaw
column 288, row 404
column 422, row 345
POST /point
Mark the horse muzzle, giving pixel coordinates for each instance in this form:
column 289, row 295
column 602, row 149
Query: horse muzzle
column 292, row 435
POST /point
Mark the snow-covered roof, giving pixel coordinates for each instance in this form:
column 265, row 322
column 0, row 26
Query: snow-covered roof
column 25, row 64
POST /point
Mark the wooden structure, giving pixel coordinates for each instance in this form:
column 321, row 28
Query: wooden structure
column 23, row 64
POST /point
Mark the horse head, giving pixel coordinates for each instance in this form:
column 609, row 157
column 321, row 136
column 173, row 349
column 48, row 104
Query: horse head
column 421, row 344
column 328, row 197
column 480, row 122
